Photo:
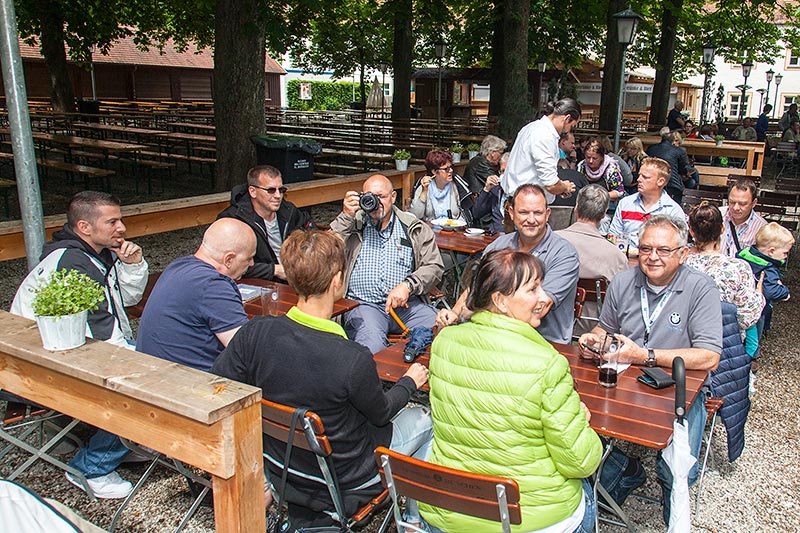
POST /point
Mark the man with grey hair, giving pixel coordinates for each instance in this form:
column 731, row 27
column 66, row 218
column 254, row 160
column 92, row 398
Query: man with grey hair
column 675, row 120
column 485, row 164
column 598, row 257
column 660, row 311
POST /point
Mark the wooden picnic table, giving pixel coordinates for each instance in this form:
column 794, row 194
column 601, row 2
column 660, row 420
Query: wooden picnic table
column 287, row 298
column 631, row 411
column 206, row 421
column 111, row 129
column 459, row 241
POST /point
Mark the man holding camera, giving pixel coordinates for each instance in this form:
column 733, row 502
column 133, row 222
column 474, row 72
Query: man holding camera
column 392, row 263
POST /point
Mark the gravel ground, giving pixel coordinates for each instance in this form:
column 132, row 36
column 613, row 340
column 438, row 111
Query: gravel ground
column 757, row 493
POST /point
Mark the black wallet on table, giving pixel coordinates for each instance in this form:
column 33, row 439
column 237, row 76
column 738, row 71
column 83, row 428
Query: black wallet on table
column 656, row 378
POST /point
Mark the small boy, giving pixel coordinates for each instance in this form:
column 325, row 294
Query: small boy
column 766, row 258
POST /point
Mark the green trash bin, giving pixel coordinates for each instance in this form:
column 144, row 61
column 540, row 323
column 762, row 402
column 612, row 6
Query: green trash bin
column 293, row 156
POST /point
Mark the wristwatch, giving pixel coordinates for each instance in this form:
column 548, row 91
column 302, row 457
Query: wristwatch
column 651, row 358
column 408, row 284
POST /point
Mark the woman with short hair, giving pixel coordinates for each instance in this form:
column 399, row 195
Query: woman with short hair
column 441, row 193
column 503, row 403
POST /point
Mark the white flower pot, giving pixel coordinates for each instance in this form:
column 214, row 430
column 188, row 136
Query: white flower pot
column 401, row 164
column 719, row 143
column 456, row 157
column 63, row 332
column 473, row 153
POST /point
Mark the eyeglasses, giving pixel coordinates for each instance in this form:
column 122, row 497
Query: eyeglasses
column 660, row 252
column 272, row 190
column 445, row 169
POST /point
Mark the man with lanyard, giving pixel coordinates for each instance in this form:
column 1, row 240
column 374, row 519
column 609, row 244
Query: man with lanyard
column 650, row 199
column 660, row 311
column 530, row 214
column 392, row 263
column 741, row 222
column 534, row 156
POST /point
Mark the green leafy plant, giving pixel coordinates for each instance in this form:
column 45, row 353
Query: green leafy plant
column 401, row 155
column 473, row 147
column 325, row 95
column 457, row 148
column 719, row 137
column 67, row 292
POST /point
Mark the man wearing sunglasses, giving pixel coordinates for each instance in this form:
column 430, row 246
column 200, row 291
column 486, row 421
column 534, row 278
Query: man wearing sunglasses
column 261, row 205
column 661, row 310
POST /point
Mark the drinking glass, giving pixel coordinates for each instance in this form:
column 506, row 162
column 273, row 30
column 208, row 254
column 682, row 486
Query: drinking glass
column 608, row 368
column 268, row 295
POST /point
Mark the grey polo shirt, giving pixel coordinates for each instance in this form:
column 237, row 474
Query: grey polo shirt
column 691, row 318
column 560, row 281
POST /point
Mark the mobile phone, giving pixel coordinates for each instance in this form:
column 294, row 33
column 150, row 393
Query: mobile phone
column 591, row 349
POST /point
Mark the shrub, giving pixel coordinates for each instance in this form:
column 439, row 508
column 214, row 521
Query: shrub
column 401, row 155
column 67, row 292
column 325, row 95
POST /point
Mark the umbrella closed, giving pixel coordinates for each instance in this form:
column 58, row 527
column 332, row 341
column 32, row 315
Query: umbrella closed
column 679, row 457
column 375, row 98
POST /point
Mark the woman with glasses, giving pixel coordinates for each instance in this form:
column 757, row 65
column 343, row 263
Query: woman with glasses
column 442, row 193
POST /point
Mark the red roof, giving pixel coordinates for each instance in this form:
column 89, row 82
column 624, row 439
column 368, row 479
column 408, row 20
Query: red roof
column 125, row 52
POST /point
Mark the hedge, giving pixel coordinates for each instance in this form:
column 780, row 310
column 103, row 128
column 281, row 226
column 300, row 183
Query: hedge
column 325, row 95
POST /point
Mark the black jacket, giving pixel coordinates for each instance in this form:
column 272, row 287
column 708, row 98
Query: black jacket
column 678, row 163
column 290, row 218
column 478, row 169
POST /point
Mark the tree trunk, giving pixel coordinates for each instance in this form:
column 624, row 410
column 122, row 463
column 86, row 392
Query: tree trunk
column 498, row 74
column 609, row 94
column 515, row 110
column 401, row 57
column 666, row 54
column 62, row 96
column 239, row 56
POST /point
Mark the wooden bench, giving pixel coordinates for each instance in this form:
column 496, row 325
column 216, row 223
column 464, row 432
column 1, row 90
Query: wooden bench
column 719, row 175
column 201, row 419
column 86, row 171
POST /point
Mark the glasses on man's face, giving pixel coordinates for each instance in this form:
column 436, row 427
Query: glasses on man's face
column 446, row 169
column 272, row 190
column 661, row 252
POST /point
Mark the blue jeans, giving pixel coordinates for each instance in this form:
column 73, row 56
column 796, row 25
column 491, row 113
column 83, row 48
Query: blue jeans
column 615, row 464
column 412, row 434
column 368, row 324
column 102, row 455
column 586, row 525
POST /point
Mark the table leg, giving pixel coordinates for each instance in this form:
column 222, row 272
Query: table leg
column 239, row 500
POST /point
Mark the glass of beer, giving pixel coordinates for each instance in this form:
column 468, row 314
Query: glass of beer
column 610, row 358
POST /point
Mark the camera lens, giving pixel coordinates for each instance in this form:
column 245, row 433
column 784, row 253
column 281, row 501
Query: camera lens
column 369, row 202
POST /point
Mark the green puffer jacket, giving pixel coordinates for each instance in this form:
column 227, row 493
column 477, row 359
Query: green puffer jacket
column 503, row 403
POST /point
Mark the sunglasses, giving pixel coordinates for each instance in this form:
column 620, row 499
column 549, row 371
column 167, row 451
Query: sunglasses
column 271, row 190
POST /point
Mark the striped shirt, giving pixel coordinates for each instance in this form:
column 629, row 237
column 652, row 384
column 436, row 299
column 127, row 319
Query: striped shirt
column 631, row 214
column 745, row 232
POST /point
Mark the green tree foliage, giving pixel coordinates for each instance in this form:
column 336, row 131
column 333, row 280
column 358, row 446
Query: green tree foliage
column 325, row 95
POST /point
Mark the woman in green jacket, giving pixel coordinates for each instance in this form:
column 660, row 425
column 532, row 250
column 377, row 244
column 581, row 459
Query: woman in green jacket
column 503, row 403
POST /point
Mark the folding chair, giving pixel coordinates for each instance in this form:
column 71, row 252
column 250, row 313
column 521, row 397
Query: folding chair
column 276, row 422
column 157, row 458
column 595, row 289
column 480, row 495
column 713, row 406
column 23, row 422
column 580, row 298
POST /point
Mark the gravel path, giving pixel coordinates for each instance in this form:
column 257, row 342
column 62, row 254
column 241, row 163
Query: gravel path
column 757, row 493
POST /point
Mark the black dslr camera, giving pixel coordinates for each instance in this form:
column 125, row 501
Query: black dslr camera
column 369, row 202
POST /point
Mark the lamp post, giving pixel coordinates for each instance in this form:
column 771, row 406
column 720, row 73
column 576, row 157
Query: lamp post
column 541, row 64
column 761, row 91
column 747, row 67
column 384, row 67
column 91, row 66
column 441, row 49
column 708, row 59
column 627, row 23
column 778, row 80
column 770, row 74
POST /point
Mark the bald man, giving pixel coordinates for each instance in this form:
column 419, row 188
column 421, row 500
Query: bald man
column 392, row 263
column 196, row 308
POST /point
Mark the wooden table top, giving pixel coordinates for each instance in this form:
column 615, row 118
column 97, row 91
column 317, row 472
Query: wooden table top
column 118, row 129
column 287, row 298
column 458, row 241
column 630, row 411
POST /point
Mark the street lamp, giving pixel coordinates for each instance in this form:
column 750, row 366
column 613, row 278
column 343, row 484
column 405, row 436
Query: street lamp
column 627, row 23
column 778, row 80
column 541, row 64
column 747, row 67
column 708, row 59
column 441, row 49
column 761, row 91
column 384, row 67
column 770, row 74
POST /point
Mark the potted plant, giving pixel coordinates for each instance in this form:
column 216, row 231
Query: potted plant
column 719, row 139
column 401, row 158
column 456, row 150
column 61, row 306
column 473, row 149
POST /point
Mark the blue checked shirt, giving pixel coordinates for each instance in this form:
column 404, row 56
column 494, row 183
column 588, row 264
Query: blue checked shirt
column 385, row 260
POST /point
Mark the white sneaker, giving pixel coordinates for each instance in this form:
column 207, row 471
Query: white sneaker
column 111, row 486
